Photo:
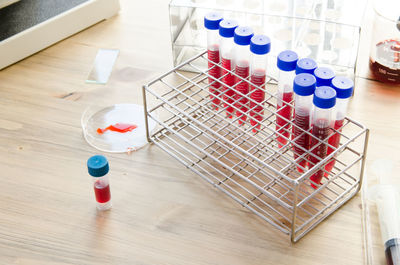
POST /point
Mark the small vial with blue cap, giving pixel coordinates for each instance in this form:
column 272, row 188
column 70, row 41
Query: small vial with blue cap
column 303, row 88
column 226, row 32
column 344, row 90
column 286, row 63
column 306, row 65
column 324, row 76
column 260, row 45
column 324, row 103
column 98, row 168
column 242, row 40
column 211, row 23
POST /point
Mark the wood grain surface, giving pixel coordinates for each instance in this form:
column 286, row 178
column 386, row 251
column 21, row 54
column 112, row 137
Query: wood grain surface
column 162, row 213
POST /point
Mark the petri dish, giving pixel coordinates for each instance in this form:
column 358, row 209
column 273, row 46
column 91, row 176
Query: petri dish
column 95, row 117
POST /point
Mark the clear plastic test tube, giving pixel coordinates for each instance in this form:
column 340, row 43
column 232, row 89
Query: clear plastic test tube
column 324, row 101
column 260, row 45
column 98, row 169
column 324, row 76
column 211, row 23
column 306, row 65
column 286, row 64
column 303, row 88
column 242, row 39
column 344, row 90
column 227, row 31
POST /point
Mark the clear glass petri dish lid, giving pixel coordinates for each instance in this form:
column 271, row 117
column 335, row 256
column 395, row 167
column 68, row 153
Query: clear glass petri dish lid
column 101, row 117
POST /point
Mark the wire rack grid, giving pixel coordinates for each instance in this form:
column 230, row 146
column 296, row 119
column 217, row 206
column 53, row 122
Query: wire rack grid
column 245, row 161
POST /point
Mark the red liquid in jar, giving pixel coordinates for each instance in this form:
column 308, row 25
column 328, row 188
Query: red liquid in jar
column 118, row 127
column 320, row 151
column 229, row 81
column 334, row 140
column 302, row 139
column 258, row 95
column 214, row 71
column 243, row 87
column 282, row 126
column 102, row 192
column 388, row 53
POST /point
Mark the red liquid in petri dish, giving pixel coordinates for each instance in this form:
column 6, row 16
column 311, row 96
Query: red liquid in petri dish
column 334, row 140
column 243, row 87
column 258, row 95
column 229, row 81
column 118, row 127
column 302, row 139
column 214, row 71
column 282, row 126
column 102, row 192
column 319, row 152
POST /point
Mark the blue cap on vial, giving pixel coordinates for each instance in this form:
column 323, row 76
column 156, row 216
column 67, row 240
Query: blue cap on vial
column 227, row 28
column 324, row 97
column 97, row 166
column 304, row 84
column 243, row 35
column 324, row 76
column 211, row 20
column 287, row 60
column 343, row 86
column 305, row 65
column 260, row 44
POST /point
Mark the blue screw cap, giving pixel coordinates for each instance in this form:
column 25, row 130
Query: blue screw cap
column 344, row 86
column 304, row 84
column 211, row 20
column 324, row 76
column 97, row 166
column 287, row 60
column 227, row 28
column 260, row 44
column 306, row 65
column 324, row 97
column 243, row 35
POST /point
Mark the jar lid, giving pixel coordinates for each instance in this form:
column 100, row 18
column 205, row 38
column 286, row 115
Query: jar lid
column 324, row 97
column 343, row 86
column 306, row 65
column 243, row 35
column 324, row 76
column 227, row 28
column 97, row 166
column 287, row 60
column 260, row 44
column 211, row 20
column 304, row 84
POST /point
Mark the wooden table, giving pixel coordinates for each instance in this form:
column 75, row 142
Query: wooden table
column 162, row 213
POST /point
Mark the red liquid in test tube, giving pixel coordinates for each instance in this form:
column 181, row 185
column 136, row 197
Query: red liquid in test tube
column 226, row 32
column 242, row 40
column 303, row 87
column 324, row 102
column 102, row 192
column 260, row 45
column 211, row 23
column 286, row 64
column 334, row 140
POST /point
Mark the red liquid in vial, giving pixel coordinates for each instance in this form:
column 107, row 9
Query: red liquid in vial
column 118, row 127
column 214, row 71
column 243, row 87
column 318, row 152
column 282, row 126
column 302, row 139
column 258, row 95
column 229, row 81
column 334, row 140
column 102, row 192
column 388, row 53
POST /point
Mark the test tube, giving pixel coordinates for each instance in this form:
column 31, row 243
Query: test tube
column 226, row 32
column 324, row 76
column 98, row 169
column 305, row 65
column 211, row 23
column 324, row 100
column 260, row 45
column 242, row 40
column 303, row 87
column 344, row 89
column 286, row 64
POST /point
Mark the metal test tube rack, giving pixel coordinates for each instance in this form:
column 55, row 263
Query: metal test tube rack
column 249, row 167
